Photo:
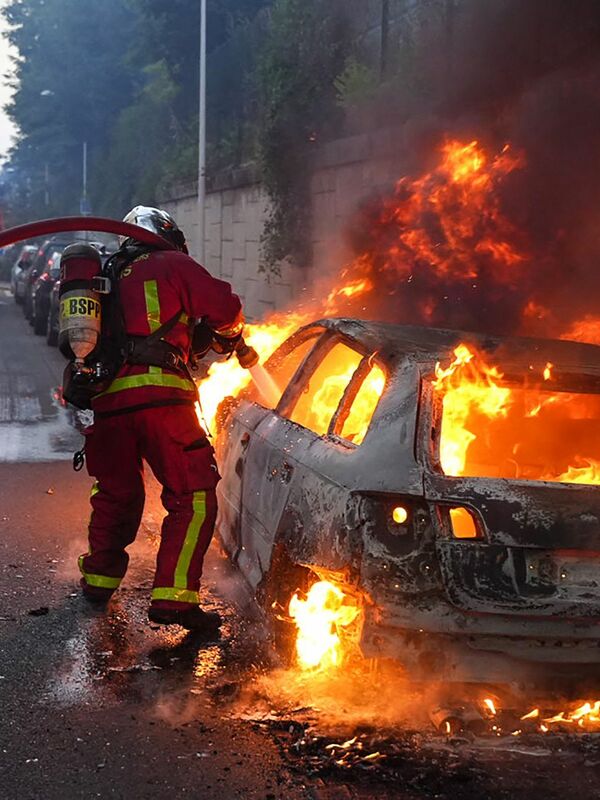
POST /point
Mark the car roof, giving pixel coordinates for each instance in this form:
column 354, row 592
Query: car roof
column 428, row 345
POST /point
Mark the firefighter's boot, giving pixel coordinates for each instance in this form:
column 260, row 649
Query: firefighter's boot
column 193, row 618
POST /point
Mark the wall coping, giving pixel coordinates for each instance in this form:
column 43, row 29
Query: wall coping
column 384, row 143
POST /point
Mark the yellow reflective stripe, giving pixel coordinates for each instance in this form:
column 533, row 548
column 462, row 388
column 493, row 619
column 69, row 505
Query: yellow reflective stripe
column 179, row 595
column 191, row 540
column 149, row 379
column 152, row 305
column 95, row 489
column 154, row 370
column 102, row 581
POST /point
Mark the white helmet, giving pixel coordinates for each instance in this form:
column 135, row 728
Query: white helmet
column 157, row 221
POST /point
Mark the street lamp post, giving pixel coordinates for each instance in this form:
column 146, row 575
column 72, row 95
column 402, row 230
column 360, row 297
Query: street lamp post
column 202, row 135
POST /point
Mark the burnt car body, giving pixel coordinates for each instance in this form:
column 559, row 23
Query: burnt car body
column 518, row 601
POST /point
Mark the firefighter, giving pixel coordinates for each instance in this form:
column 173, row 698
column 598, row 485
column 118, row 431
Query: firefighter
column 148, row 414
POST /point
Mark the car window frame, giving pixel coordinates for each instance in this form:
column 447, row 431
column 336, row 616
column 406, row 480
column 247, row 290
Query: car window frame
column 354, row 386
column 310, row 364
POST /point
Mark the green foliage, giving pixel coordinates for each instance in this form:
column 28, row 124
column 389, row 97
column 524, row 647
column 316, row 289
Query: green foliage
column 302, row 55
column 70, row 83
column 356, row 83
column 123, row 76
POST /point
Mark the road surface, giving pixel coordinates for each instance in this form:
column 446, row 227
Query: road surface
column 101, row 704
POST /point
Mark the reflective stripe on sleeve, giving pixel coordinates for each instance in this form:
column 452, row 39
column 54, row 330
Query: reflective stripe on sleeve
column 95, row 489
column 102, row 581
column 191, row 540
column 152, row 305
column 178, row 595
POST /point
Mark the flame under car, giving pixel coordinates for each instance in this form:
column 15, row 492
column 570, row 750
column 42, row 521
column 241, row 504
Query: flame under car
column 490, row 573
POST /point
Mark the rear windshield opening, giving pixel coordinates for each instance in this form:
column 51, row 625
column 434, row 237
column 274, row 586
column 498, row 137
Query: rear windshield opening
column 498, row 429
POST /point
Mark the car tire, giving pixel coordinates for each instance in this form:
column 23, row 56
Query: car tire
column 280, row 582
column 51, row 332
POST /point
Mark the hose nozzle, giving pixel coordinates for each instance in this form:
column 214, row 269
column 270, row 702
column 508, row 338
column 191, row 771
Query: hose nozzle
column 246, row 355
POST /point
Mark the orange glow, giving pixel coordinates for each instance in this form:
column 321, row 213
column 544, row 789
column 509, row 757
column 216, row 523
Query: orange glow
column 463, row 523
column 321, row 619
column 363, row 407
column 491, row 428
column 585, row 330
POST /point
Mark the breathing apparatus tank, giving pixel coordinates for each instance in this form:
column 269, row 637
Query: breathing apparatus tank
column 81, row 286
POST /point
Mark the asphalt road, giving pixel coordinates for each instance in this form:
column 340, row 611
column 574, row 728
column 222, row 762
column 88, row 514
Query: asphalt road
column 102, row 704
column 92, row 703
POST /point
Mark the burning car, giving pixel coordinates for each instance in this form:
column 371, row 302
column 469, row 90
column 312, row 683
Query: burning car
column 457, row 502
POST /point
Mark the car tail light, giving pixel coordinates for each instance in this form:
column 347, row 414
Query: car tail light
column 399, row 515
column 464, row 523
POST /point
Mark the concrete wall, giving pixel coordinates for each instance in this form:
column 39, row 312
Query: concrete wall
column 345, row 172
column 234, row 223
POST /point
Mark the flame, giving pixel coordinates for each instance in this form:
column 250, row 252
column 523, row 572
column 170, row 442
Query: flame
column 486, row 429
column 460, row 193
column 588, row 714
column 490, row 706
column 467, row 387
column 584, row 330
column 320, row 619
column 534, row 714
column 228, row 378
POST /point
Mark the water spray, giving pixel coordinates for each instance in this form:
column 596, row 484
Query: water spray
column 248, row 359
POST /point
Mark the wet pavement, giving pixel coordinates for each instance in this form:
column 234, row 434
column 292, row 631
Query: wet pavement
column 99, row 703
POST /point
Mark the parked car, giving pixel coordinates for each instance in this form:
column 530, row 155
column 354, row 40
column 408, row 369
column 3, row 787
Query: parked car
column 51, row 326
column 22, row 262
column 42, row 289
column 34, row 270
column 8, row 255
column 485, row 577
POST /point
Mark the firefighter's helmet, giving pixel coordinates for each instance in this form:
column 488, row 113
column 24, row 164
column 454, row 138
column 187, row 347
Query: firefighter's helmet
column 157, row 221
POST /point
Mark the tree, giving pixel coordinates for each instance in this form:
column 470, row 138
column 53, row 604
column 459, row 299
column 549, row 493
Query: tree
column 71, row 81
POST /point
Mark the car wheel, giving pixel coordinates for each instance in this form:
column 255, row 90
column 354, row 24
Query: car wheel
column 282, row 580
column 51, row 332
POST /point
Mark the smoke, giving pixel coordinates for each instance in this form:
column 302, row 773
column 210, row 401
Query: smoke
column 527, row 74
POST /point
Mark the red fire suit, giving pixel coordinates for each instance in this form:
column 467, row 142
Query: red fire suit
column 148, row 414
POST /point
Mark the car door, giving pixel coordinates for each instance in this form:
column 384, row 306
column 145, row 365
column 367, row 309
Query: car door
column 238, row 444
column 287, row 450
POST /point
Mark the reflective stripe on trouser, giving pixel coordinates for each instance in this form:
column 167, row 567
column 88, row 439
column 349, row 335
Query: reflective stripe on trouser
column 181, row 553
column 170, row 439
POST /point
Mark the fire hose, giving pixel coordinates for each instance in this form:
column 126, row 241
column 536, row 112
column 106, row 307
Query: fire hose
column 246, row 355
